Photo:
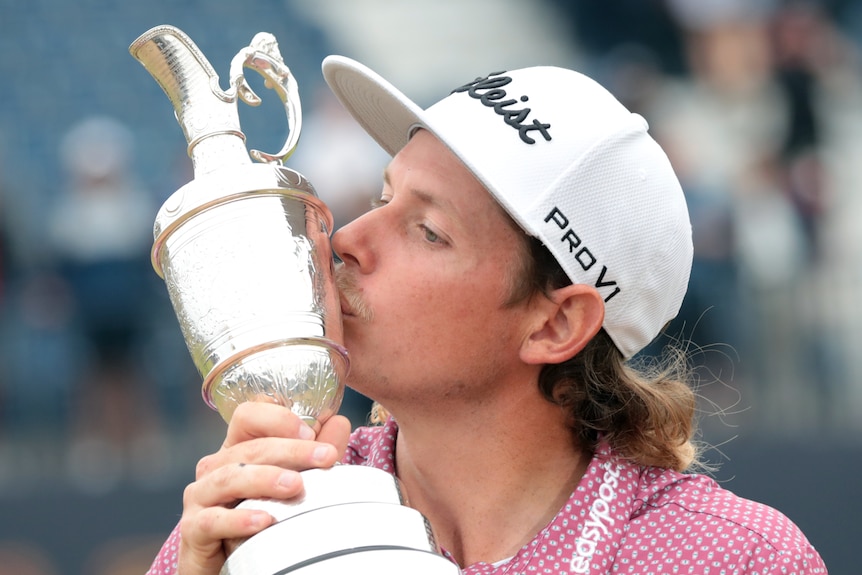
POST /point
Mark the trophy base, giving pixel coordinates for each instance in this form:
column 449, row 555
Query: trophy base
column 381, row 562
column 351, row 519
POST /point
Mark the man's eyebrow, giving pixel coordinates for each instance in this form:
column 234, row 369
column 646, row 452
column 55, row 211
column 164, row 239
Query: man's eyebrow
column 430, row 200
column 423, row 196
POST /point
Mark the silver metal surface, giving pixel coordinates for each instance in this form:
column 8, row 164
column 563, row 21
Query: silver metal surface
column 244, row 248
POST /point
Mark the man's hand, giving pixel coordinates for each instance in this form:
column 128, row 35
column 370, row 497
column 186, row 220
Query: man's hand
column 265, row 448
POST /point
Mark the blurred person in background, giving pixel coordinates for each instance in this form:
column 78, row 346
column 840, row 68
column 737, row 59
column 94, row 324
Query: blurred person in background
column 38, row 348
column 5, row 247
column 746, row 128
column 530, row 238
column 812, row 58
column 100, row 232
column 801, row 47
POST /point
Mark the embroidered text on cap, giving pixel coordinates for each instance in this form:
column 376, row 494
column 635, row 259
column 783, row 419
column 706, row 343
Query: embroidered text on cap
column 583, row 255
column 491, row 98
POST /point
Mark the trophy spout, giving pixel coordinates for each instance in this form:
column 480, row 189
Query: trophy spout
column 202, row 109
column 207, row 114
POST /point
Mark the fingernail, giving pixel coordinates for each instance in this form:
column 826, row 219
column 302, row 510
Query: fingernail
column 259, row 519
column 287, row 478
column 305, row 432
column 320, row 453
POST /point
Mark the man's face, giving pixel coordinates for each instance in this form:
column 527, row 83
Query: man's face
column 424, row 281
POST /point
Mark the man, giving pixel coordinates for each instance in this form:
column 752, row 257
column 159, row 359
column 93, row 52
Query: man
column 530, row 238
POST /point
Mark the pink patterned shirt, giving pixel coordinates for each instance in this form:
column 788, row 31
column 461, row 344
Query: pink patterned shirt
column 625, row 518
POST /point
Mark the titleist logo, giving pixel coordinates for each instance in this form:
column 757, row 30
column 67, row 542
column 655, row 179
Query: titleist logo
column 488, row 90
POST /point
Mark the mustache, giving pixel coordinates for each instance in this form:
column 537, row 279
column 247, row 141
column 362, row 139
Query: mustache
column 350, row 295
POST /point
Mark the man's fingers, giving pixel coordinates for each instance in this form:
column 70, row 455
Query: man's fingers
column 336, row 431
column 228, row 484
column 265, row 448
column 287, row 453
column 217, row 523
column 254, row 419
column 201, row 549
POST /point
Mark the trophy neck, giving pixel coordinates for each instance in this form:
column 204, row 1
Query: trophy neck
column 215, row 151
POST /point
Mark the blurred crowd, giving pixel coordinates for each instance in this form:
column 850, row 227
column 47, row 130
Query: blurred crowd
column 757, row 103
column 90, row 364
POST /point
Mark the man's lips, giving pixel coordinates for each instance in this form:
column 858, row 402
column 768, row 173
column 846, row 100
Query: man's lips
column 350, row 299
column 346, row 311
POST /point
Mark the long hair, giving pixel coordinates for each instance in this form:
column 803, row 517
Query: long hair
column 645, row 412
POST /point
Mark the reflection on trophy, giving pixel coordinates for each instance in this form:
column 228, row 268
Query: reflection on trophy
column 244, row 251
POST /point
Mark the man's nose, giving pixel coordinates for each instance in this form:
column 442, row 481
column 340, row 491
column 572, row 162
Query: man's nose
column 353, row 243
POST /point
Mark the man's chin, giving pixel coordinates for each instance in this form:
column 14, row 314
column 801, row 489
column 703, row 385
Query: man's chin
column 358, row 383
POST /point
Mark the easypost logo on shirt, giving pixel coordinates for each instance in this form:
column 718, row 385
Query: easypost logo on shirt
column 599, row 522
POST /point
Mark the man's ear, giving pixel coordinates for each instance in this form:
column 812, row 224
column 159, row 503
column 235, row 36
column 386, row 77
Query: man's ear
column 565, row 321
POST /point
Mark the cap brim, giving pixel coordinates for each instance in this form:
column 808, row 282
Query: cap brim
column 381, row 109
column 390, row 117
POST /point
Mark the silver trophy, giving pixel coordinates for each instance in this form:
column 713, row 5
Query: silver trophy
column 244, row 251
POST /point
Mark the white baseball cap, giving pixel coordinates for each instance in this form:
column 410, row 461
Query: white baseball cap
column 570, row 164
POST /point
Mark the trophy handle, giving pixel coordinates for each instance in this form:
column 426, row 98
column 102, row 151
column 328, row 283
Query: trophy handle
column 208, row 115
column 262, row 56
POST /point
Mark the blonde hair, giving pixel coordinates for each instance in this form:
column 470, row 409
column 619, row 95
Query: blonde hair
column 645, row 410
column 645, row 413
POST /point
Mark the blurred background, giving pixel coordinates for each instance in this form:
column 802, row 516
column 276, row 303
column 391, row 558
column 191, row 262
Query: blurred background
column 758, row 103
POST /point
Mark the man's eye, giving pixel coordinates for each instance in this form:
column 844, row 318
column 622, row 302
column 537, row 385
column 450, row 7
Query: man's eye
column 378, row 203
column 430, row 235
